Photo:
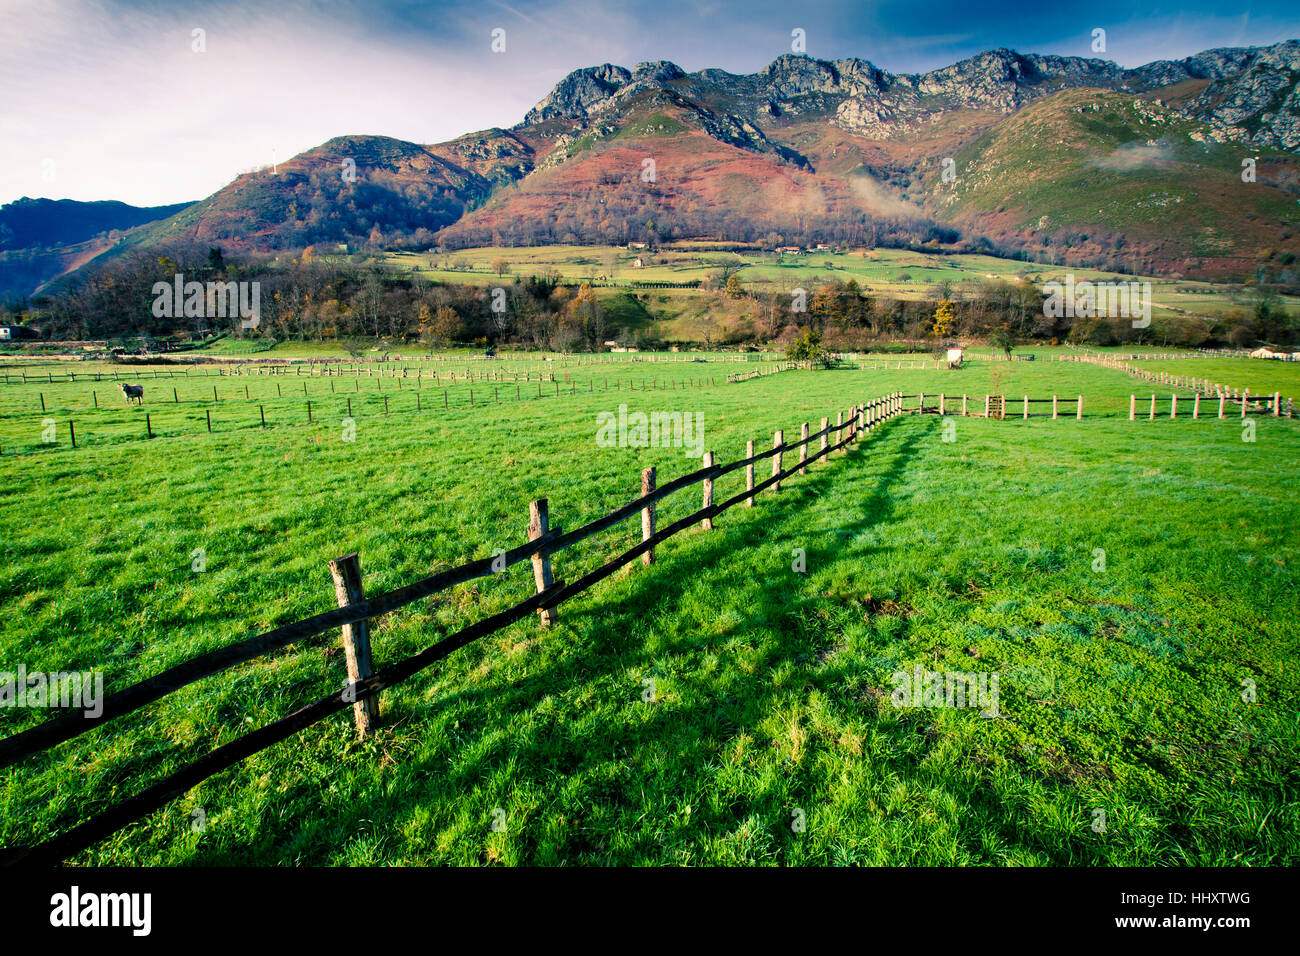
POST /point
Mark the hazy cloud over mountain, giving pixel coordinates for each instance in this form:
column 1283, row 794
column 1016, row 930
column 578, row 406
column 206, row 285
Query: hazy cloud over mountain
column 112, row 100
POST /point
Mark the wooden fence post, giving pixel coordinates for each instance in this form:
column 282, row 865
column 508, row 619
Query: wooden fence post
column 1173, row 406
column 1196, row 406
column 346, row 572
column 1152, row 416
column 539, row 523
column 1245, row 398
column 749, row 473
column 648, row 513
column 1277, row 404
column 1079, row 415
column 778, row 439
column 1132, row 407
column 803, row 450
column 839, row 426
column 1026, row 412
column 1220, row 404
column 988, row 406
column 707, row 522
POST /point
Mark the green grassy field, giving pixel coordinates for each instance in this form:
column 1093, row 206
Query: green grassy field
column 894, row 272
column 1261, row 376
column 1121, row 689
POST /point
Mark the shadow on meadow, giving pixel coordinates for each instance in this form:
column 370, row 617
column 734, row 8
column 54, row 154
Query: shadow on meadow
column 596, row 644
column 737, row 644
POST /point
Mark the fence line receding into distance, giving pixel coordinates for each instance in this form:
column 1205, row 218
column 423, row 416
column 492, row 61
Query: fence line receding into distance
column 355, row 611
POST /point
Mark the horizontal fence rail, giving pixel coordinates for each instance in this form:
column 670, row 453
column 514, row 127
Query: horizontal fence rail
column 419, row 396
column 994, row 406
column 364, row 683
column 1275, row 404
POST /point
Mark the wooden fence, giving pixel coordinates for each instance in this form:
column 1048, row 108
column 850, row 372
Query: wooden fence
column 1275, row 403
column 355, row 611
column 758, row 372
column 994, row 406
column 1192, row 408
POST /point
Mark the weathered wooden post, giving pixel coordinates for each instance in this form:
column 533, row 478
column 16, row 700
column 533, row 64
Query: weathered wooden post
column 1173, row 406
column 1196, row 406
column 707, row 522
column 648, row 513
column 749, row 473
column 778, row 439
column 803, row 449
column 346, row 572
column 963, row 404
column 538, row 524
column 1079, row 415
column 826, row 423
column 1026, row 411
column 839, row 426
column 1152, row 416
column 1245, row 398
column 988, row 406
column 1132, row 407
column 1220, row 404
column 1277, row 404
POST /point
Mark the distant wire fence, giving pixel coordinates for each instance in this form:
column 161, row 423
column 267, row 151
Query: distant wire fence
column 419, row 394
column 1199, row 353
column 1274, row 404
column 15, row 374
column 356, row 611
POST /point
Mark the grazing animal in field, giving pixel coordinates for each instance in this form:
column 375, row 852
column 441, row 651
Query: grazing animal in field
column 133, row 392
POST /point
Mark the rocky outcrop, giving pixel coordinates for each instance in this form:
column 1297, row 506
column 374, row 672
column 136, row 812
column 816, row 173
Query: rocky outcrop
column 1251, row 93
column 578, row 91
column 1261, row 103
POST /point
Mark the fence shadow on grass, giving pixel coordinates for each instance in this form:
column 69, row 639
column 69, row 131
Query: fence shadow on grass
column 600, row 641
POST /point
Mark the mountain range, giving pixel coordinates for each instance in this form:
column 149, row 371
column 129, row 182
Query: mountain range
column 1184, row 167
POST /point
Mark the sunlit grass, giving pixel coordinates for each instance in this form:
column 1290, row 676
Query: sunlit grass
column 1120, row 689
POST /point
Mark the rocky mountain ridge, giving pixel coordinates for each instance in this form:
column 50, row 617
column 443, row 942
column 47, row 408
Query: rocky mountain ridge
column 1248, row 94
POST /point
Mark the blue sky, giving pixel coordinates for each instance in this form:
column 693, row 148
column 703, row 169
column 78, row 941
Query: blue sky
column 102, row 99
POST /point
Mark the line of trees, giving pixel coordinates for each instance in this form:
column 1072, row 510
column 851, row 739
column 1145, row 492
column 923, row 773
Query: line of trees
column 345, row 298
